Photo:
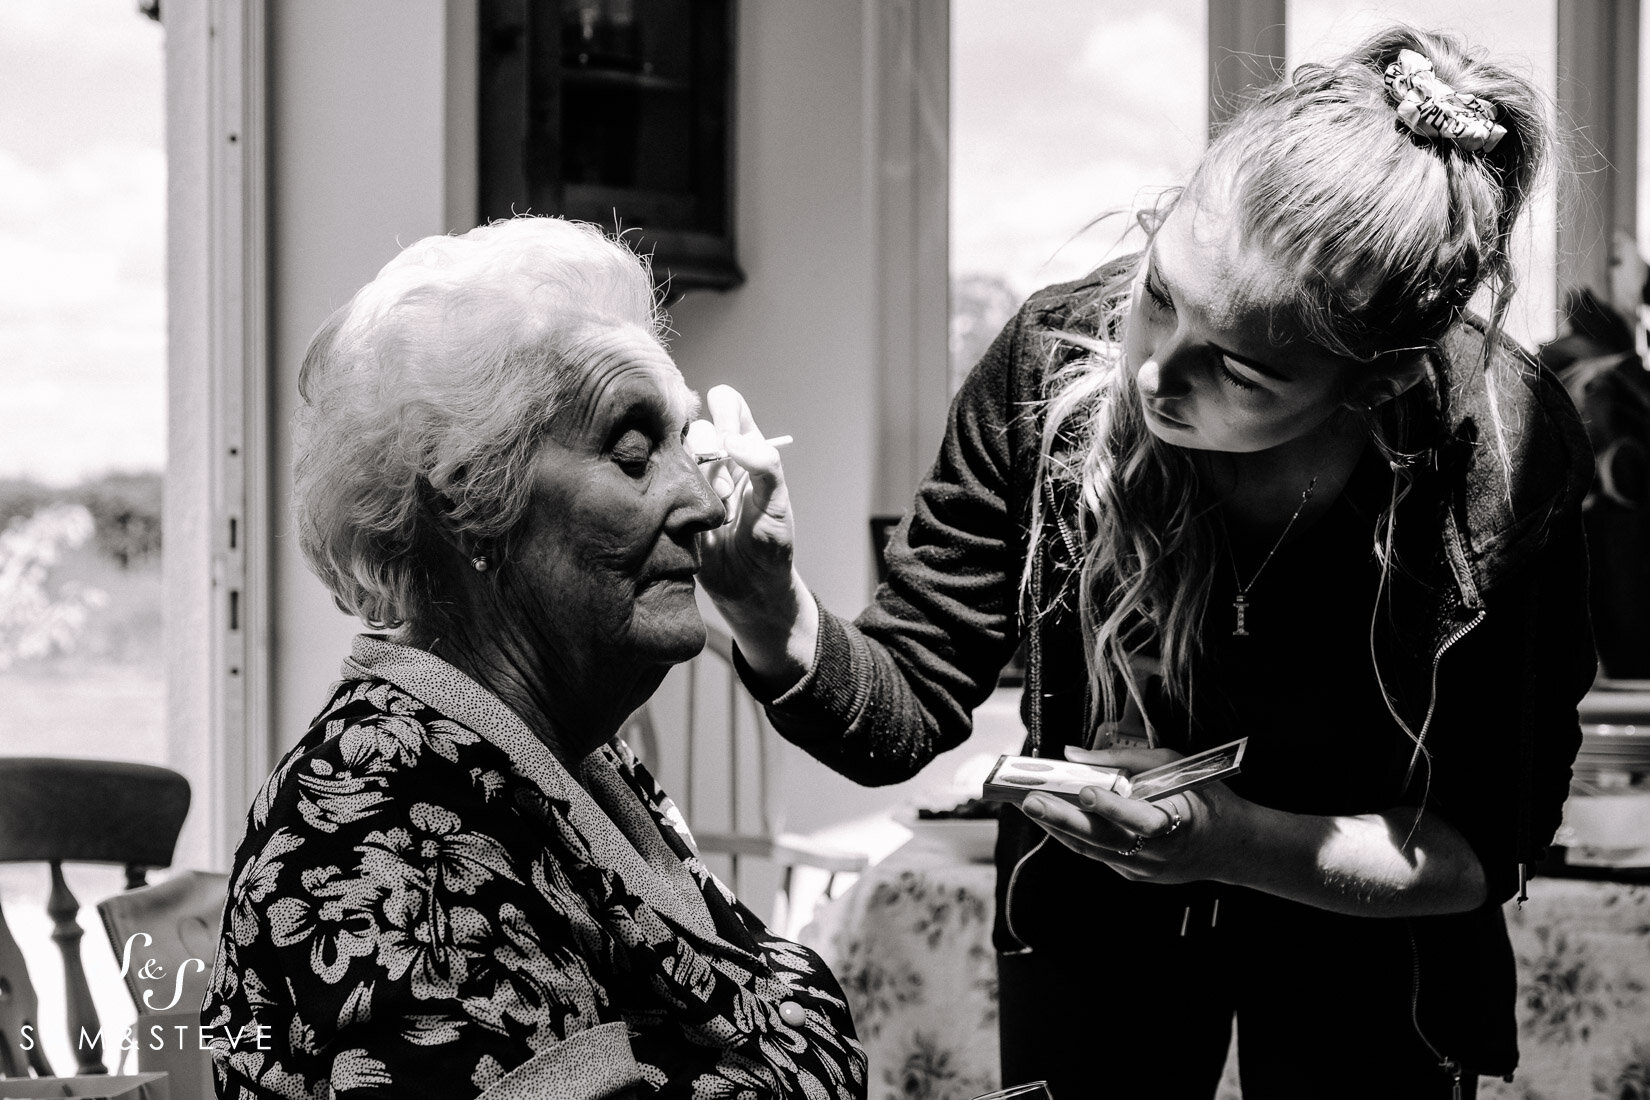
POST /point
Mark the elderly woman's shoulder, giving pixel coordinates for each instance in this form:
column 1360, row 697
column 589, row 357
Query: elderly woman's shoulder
column 374, row 753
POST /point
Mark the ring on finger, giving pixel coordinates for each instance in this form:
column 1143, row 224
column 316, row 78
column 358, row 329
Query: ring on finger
column 1174, row 812
column 1139, row 842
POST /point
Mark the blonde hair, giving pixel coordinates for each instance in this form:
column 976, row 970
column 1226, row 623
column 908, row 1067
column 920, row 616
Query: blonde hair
column 1386, row 236
column 425, row 397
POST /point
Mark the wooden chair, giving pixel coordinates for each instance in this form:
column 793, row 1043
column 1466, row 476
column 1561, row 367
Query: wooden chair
column 176, row 925
column 724, row 730
column 178, row 922
column 57, row 811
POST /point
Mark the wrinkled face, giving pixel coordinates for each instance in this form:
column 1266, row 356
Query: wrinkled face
column 604, row 562
column 1214, row 371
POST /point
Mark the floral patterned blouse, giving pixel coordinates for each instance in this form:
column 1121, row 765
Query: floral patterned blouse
column 427, row 904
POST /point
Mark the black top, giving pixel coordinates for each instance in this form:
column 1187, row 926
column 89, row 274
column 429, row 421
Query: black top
column 1300, row 684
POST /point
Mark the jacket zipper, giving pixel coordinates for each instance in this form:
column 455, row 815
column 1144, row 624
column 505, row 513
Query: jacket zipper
column 1447, row 1064
column 1066, row 537
column 1432, row 693
column 1037, row 734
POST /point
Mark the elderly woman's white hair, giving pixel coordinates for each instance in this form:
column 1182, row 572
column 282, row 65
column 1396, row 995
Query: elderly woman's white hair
column 425, row 397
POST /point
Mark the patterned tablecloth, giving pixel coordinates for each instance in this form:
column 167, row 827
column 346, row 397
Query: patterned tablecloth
column 911, row 943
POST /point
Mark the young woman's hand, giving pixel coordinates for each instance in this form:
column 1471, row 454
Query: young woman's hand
column 746, row 564
column 1397, row 862
column 1183, row 838
column 749, row 557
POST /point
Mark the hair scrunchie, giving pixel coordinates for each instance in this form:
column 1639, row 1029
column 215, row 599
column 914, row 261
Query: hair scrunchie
column 1433, row 109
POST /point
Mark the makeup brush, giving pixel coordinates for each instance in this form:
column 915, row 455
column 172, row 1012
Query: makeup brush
column 703, row 457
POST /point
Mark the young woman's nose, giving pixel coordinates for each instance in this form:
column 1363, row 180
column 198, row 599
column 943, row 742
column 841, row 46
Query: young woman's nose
column 1165, row 373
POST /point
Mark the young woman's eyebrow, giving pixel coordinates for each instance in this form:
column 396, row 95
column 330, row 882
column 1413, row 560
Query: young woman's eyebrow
column 1155, row 272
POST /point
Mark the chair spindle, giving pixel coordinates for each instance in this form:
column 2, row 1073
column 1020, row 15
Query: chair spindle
column 84, row 1030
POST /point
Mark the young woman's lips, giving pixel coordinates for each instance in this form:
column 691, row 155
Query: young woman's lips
column 1164, row 418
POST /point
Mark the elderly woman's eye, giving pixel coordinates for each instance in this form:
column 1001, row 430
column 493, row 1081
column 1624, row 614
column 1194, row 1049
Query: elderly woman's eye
column 632, row 451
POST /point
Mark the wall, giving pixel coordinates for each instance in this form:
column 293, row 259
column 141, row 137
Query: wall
column 358, row 149
column 800, row 339
column 371, row 145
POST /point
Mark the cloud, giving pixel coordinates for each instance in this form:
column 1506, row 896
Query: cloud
column 1060, row 113
column 83, row 230
column 78, row 73
column 1065, row 109
column 83, row 313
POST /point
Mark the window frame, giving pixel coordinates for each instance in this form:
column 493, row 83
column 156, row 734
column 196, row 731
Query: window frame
column 218, row 521
column 216, row 558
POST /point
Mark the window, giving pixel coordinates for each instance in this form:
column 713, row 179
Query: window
column 1062, row 111
column 82, row 428
column 1522, row 34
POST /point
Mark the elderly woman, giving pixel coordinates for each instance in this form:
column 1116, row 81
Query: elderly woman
column 461, row 881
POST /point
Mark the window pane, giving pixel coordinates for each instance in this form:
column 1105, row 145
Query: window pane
column 82, row 431
column 1522, row 34
column 1061, row 111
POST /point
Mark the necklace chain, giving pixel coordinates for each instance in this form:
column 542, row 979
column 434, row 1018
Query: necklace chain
column 1240, row 603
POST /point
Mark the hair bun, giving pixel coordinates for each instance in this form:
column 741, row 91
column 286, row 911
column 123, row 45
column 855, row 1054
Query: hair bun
column 1433, row 109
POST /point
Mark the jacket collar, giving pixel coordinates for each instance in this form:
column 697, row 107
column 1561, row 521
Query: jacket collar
column 1494, row 521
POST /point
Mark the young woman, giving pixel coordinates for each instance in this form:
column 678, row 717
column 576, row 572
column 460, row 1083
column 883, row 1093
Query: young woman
column 1271, row 479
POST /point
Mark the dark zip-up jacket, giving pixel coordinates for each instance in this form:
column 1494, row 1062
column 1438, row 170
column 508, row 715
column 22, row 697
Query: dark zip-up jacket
column 1487, row 647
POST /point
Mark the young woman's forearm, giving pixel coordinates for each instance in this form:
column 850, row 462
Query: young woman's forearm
column 778, row 634
column 1373, row 865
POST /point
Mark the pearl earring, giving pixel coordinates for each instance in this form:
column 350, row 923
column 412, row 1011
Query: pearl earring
column 480, row 562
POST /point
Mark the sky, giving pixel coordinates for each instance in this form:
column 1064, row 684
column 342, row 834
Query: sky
column 1063, row 111
column 82, row 240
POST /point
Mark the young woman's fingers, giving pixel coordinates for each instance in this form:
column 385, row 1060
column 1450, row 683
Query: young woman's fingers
column 1141, row 854
column 1067, row 822
column 760, row 462
column 729, row 412
column 1137, row 816
column 703, row 438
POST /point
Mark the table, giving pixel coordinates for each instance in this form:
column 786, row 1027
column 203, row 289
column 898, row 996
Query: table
column 911, row 944
column 1583, row 950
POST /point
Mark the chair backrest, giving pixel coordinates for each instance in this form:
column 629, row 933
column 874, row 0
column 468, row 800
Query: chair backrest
column 726, row 780
column 724, row 724
column 20, row 1050
column 57, row 811
column 174, row 923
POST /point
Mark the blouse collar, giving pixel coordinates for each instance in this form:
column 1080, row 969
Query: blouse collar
column 444, row 688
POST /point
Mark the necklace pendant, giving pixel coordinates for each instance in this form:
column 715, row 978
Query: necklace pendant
column 1241, row 606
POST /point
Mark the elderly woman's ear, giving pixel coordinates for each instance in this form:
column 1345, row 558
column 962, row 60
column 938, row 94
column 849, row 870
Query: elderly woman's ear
column 481, row 554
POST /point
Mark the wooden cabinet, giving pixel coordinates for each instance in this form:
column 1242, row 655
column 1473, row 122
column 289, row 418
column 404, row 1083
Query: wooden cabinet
column 617, row 112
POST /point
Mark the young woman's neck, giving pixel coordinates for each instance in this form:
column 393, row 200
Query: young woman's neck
column 1258, row 491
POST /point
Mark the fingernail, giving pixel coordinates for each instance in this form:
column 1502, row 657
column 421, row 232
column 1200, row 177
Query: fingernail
column 1033, row 807
column 1087, row 798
